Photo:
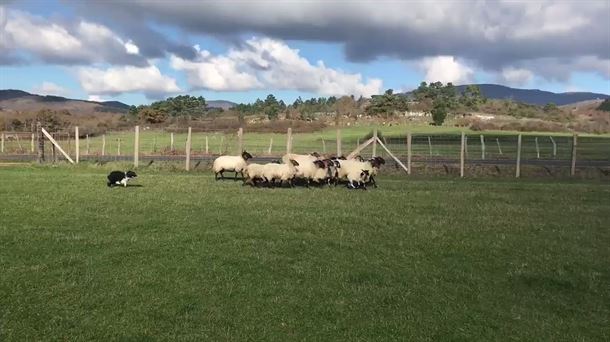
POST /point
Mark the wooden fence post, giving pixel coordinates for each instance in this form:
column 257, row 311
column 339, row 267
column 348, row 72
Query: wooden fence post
column 554, row 147
column 171, row 142
column 462, row 152
column 136, row 147
column 53, row 151
column 207, row 147
column 87, row 144
column 32, row 143
column 50, row 137
column 188, row 150
column 2, row 142
column 289, row 140
column 103, row 145
column 430, row 145
column 499, row 148
column 339, row 142
column 76, row 144
column 537, row 148
column 466, row 146
column 518, row 170
column 240, row 142
column 375, row 142
column 574, row 144
column 409, row 152
column 40, row 142
column 270, row 145
column 482, row 147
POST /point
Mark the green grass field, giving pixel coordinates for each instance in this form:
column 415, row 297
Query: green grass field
column 182, row 257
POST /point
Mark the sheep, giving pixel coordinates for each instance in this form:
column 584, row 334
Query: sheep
column 307, row 169
column 253, row 172
column 353, row 166
column 358, row 176
column 283, row 172
column 231, row 163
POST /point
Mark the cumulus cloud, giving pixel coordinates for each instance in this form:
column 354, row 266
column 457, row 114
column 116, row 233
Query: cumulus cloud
column 446, row 69
column 126, row 79
column 515, row 76
column 50, row 88
column 80, row 42
column 263, row 63
column 493, row 35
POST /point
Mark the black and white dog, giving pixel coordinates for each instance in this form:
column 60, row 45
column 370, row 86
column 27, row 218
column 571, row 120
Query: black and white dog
column 120, row 178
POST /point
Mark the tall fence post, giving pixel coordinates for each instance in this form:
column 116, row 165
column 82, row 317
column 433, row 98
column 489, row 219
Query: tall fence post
column 103, row 145
column 375, row 142
column 499, row 148
column 188, row 150
column 462, row 152
column 171, row 142
column 2, row 142
column 136, row 147
column 32, row 143
column 430, row 146
column 207, row 147
column 88, row 144
column 40, row 142
column 574, row 144
column 270, row 145
column 53, row 152
column 466, row 146
column 339, row 142
column 289, row 140
column 554, row 147
column 518, row 168
column 537, row 148
column 76, row 144
column 409, row 153
column 240, row 141
column 482, row 147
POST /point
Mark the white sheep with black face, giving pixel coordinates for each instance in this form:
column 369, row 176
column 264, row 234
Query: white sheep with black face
column 355, row 167
column 284, row 172
column 235, row 164
column 254, row 172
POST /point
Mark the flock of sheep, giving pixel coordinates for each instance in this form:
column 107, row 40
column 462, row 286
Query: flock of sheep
column 306, row 167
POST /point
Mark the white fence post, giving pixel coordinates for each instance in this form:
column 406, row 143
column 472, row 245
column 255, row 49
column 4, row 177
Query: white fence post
column 482, row 147
column 77, row 144
column 574, row 144
column 188, row 150
column 136, row 147
column 518, row 169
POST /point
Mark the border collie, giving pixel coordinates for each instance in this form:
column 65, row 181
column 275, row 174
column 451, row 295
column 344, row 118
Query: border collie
column 120, row 178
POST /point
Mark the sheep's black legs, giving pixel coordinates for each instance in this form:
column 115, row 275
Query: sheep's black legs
column 373, row 182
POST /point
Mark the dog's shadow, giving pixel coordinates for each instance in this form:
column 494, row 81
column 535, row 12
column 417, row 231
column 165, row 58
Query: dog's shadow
column 128, row 186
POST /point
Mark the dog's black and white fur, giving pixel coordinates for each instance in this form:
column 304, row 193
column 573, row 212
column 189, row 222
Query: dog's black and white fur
column 120, row 178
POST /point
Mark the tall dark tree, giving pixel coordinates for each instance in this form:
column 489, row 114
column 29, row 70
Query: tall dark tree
column 272, row 107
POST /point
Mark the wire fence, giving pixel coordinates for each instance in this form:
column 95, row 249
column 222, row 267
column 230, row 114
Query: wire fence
column 429, row 149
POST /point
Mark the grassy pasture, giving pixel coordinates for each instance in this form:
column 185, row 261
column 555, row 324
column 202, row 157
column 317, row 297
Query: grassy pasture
column 181, row 257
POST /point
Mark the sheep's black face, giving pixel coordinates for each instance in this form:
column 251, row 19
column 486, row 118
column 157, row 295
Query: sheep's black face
column 342, row 158
column 294, row 162
column 246, row 155
column 315, row 154
column 337, row 164
column 364, row 174
column 130, row 174
column 359, row 158
column 380, row 160
column 320, row 164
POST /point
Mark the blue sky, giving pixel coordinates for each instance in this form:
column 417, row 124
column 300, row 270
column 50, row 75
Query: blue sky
column 139, row 54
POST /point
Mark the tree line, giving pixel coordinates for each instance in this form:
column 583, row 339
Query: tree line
column 436, row 98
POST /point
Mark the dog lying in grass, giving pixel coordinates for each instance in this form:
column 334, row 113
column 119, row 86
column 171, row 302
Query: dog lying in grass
column 120, row 178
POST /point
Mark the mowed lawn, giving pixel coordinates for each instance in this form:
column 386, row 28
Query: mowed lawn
column 182, row 257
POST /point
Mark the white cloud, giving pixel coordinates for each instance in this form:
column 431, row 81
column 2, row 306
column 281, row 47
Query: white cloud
column 96, row 98
column 515, row 76
column 126, row 79
column 50, row 88
column 80, row 42
column 445, row 69
column 263, row 63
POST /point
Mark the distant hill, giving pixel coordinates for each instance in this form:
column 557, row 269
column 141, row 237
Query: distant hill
column 534, row 96
column 221, row 104
column 19, row 100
